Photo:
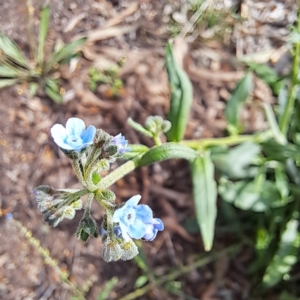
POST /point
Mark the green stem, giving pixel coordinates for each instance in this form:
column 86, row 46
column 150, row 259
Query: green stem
column 143, row 160
column 157, row 140
column 88, row 204
column 288, row 111
column 228, row 141
column 77, row 170
column 120, row 172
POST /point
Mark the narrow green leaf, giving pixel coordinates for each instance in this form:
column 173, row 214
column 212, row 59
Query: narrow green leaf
column 282, row 101
column 167, row 151
column 181, row 97
column 134, row 151
column 279, row 137
column 268, row 75
column 235, row 162
column 8, row 71
column 141, row 280
column 11, row 50
column 52, row 90
column 275, row 151
column 205, row 197
column 33, row 88
column 7, row 82
column 104, row 295
column 282, row 182
column 44, row 25
column 138, row 127
column 66, row 53
column 286, row 255
column 238, row 97
column 259, row 195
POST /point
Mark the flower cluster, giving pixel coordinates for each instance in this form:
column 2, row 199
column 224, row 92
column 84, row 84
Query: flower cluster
column 92, row 151
column 136, row 221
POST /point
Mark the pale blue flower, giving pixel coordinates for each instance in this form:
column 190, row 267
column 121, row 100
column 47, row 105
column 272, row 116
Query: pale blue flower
column 136, row 221
column 119, row 140
column 74, row 136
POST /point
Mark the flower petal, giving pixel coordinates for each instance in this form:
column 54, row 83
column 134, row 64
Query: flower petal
column 124, row 231
column 64, row 146
column 88, row 135
column 158, row 224
column 144, row 213
column 58, row 132
column 137, row 230
column 75, row 126
column 118, row 215
column 133, row 201
column 150, row 233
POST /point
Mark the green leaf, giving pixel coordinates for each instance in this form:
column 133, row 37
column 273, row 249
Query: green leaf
column 282, row 101
column 12, row 51
column 167, row 151
column 138, row 127
column 275, row 151
column 205, row 197
column 44, row 25
column 52, row 90
column 33, row 88
column 66, row 53
column 259, row 195
column 7, row 82
column 9, row 71
column 134, row 151
column 282, row 182
column 268, row 75
column 235, row 162
column 181, row 97
column 140, row 281
column 286, row 255
column 279, row 137
column 238, row 97
column 104, row 295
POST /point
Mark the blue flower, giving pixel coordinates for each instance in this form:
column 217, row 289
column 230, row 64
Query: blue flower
column 74, row 136
column 119, row 140
column 136, row 221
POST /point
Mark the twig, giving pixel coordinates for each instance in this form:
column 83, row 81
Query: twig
column 190, row 24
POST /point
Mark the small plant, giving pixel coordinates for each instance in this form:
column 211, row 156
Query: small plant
column 110, row 78
column 39, row 72
column 257, row 173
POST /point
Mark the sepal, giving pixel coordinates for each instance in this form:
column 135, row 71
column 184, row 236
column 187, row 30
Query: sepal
column 87, row 227
column 114, row 249
column 106, row 198
column 56, row 205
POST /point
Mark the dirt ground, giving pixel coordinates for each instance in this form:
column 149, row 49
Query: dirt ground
column 135, row 32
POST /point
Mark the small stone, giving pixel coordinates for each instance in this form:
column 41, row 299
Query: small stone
column 73, row 6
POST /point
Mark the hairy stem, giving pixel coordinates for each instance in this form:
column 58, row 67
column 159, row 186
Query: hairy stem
column 288, row 110
column 157, row 140
column 120, row 172
column 228, row 141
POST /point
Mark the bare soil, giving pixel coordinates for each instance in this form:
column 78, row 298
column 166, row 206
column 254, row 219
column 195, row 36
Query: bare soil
column 29, row 157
